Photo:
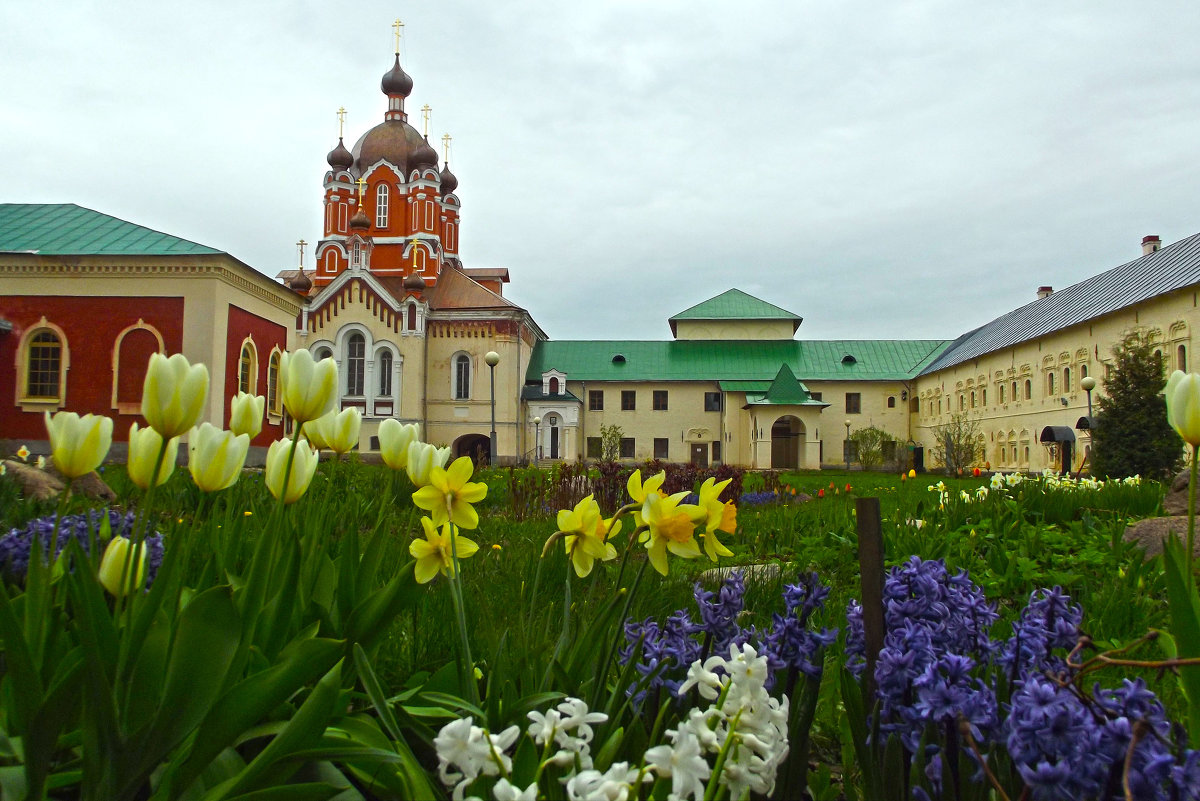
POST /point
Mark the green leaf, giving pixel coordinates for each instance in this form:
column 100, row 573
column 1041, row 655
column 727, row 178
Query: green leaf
column 20, row 668
column 313, row 791
column 369, row 619
column 56, row 711
column 1184, row 605
column 250, row 701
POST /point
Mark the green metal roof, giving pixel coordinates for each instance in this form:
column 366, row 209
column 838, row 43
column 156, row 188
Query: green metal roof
column 734, row 360
column 785, row 390
column 734, row 304
column 64, row 228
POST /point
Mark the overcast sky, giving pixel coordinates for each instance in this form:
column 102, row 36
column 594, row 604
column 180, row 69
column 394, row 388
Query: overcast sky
column 883, row 169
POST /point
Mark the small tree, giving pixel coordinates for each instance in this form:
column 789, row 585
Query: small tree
column 1132, row 435
column 868, row 444
column 957, row 444
column 610, row 442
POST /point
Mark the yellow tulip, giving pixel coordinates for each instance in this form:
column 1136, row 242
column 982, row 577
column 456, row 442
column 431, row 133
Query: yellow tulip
column 78, row 444
column 246, row 414
column 450, row 493
column 433, row 553
column 118, row 562
column 304, row 465
column 912, row 473
column 315, row 435
column 337, row 430
column 174, row 394
column 215, row 457
column 308, row 388
column 394, row 439
column 1183, row 405
column 144, row 445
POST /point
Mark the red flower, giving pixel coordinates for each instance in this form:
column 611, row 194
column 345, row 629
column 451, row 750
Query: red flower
column 975, row 472
column 848, row 488
column 820, row 493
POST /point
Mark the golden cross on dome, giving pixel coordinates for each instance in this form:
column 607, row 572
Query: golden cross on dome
column 361, row 183
column 396, row 26
column 341, row 119
column 446, row 147
column 425, row 112
column 301, row 245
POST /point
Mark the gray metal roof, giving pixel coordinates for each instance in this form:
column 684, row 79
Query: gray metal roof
column 1173, row 267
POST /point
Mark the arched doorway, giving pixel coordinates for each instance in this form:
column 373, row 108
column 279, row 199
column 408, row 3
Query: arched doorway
column 786, row 435
column 554, row 434
column 477, row 446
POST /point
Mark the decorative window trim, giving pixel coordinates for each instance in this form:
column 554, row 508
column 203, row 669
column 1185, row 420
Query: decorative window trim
column 140, row 325
column 39, row 405
column 274, row 364
column 348, row 359
column 252, row 383
column 381, row 206
column 457, row 391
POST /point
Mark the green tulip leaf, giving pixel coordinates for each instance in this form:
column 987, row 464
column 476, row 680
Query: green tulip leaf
column 312, row 791
column 371, row 617
column 56, row 711
column 26, row 680
column 1184, row 605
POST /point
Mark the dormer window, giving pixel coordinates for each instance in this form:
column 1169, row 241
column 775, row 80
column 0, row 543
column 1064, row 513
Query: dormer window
column 356, row 259
column 554, row 382
column 618, row 359
column 848, row 359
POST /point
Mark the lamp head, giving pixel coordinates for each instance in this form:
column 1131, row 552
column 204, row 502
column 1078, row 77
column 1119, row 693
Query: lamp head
column 492, row 358
column 537, row 421
column 1088, row 383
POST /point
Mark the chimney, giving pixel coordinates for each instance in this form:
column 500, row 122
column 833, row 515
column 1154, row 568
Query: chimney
column 1045, row 292
column 1150, row 244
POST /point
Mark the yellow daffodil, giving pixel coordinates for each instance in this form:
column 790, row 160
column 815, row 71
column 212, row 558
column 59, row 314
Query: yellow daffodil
column 1183, row 405
column 117, row 562
column 337, row 430
column 308, row 387
column 433, row 554
column 450, row 493
column 23, row 453
column 720, row 516
column 394, row 439
column 586, row 534
column 638, row 490
column 78, row 444
column 216, row 457
column 303, row 467
column 144, row 445
column 672, row 526
column 246, row 414
column 174, row 394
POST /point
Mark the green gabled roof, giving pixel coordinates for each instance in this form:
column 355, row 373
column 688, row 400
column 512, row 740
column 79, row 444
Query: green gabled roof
column 734, row 304
column 785, row 390
column 64, row 228
column 733, row 360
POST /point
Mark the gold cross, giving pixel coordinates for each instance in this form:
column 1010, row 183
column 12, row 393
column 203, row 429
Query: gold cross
column 425, row 111
column 361, row 183
column 446, row 147
column 301, row 245
column 341, row 120
column 396, row 26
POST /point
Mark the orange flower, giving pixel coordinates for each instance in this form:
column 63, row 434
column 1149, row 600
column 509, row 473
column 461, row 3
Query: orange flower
column 975, row 472
column 848, row 488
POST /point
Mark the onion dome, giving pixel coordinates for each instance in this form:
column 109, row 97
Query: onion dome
column 339, row 158
column 396, row 81
column 423, row 155
column 300, row 283
column 413, row 282
column 360, row 219
column 449, row 182
column 393, row 141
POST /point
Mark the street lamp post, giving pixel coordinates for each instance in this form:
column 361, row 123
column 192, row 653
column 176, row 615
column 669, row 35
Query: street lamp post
column 1088, row 384
column 492, row 358
column 846, row 446
column 537, row 422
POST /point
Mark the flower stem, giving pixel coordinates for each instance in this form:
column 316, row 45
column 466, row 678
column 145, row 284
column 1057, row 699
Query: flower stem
column 460, row 616
column 1191, row 517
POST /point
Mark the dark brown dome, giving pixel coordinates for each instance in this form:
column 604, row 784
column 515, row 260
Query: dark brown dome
column 413, row 282
column 449, row 182
column 395, row 142
column 339, row 158
column 423, row 156
column 360, row 219
column 396, row 81
column 300, row 283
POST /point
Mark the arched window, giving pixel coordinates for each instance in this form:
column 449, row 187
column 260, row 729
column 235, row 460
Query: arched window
column 892, row 400
column 1028, row 389
column 247, row 368
column 381, row 206
column 553, row 386
column 356, row 258
column 962, row 402
column 1181, row 358
column 1083, row 373
column 1049, row 384
column 356, row 351
column 1066, row 379
column 44, row 366
column 1002, row 393
column 385, row 374
column 1014, row 391
column 462, row 377
column 412, row 317
column 323, row 353
column 983, row 396
column 273, row 383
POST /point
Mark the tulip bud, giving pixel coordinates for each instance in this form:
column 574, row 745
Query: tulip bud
column 174, row 394
column 78, row 444
column 420, row 462
column 337, row 431
column 119, row 569
column 246, row 414
column 276, row 474
column 308, row 388
column 1183, row 405
column 215, row 457
column 394, row 439
column 144, row 445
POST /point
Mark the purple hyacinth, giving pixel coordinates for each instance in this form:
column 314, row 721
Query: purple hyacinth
column 790, row 643
column 719, row 611
column 1049, row 622
column 17, row 545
